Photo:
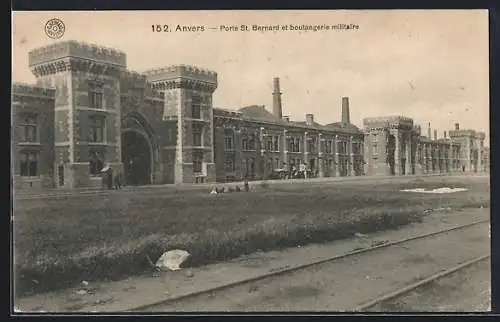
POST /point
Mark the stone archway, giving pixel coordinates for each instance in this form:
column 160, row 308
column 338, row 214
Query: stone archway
column 139, row 150
column 136, row 158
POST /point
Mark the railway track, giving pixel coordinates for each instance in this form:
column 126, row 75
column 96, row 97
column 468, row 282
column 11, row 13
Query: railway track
column 412, row 287
column 285, row 271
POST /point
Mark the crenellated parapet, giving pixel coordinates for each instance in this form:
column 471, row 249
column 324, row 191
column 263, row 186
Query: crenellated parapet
column 38, row 92
column 183, row 76
column 133, row 78
column 459, row 133
column 388, row 122
column 76, row 56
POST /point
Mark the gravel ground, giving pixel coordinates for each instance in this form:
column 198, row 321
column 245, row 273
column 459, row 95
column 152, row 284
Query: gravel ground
column 348, row 282
column 467, row 290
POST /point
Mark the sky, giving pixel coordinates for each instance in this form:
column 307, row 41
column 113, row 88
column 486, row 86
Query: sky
column 431, row 66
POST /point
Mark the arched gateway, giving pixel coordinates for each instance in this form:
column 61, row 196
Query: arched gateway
column 139, row 149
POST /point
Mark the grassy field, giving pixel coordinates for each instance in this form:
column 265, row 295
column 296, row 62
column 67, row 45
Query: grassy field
column 59, row 242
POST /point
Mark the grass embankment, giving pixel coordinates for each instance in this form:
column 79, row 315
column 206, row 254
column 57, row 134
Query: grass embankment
column 59, row 242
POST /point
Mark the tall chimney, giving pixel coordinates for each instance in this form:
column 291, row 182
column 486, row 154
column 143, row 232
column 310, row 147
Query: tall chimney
column 457, row 126
column 309, row 119
column 277, row 109
column 435, row 134
column 346, row 118
column 429, row 131
column 444, row 134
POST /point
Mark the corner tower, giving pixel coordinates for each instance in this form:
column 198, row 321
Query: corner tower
column 188, row 100
column 87, row 107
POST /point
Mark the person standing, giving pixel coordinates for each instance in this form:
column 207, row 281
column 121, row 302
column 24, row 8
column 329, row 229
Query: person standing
column 118, row 185
column 109, row 178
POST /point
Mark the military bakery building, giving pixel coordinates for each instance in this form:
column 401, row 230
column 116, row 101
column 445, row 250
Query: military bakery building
column 88, row 112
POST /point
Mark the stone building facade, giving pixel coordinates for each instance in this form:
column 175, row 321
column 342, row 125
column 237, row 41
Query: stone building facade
column 88, row 112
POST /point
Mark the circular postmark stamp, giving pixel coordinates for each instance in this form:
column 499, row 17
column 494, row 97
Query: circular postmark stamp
column 54, row 28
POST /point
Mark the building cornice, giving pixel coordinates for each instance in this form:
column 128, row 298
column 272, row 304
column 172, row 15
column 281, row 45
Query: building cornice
column 190, row 84
column 75, row 64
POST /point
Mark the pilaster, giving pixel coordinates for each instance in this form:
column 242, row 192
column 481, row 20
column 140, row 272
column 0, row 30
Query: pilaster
column 321, row 162
column 408, row 166
column 397, row 151
column 336, row 156
column 352, row 171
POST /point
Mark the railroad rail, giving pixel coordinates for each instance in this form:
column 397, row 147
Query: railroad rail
column 409, row 288
column 322, row 261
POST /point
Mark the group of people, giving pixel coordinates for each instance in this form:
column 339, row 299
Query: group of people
column 112, row 180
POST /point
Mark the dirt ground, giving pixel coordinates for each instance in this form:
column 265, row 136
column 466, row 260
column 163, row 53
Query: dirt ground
column 138, row 291
column 349, row 282
column 467, row 290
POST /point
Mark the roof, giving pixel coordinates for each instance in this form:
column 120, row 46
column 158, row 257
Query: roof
column 344, row 127
column 259, row 113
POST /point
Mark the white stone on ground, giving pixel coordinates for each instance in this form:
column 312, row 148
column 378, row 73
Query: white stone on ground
column 438, row 190
column 172, row 259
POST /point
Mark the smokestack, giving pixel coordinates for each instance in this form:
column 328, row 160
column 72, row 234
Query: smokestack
column 435, row 134
column 457, row 126
column 277, row 109
column 309, row 119
column 444, row 134
column 346, row 118
column 429, row 131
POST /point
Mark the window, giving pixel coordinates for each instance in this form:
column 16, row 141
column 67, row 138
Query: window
column 269, row 144
column 197, row 162
column 295, row 145
column 311, row 145
column 356, row 148
column 197, row 140
column 229, row 140
column 96, row 162
column 96, row 93
column 29, row 164
column 328, row 146
column 28, row 126
column 244, row 167
column 229, row 163
column 248, row 143
column 342, row 147
column 196, row 108
column 276, row 145
column 96, row 129
column 269, row 165
column 277, row 164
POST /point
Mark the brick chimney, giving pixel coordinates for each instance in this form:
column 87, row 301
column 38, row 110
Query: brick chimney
column 429, row 131
column 457, row 126
column 346, row 118
column 309, row 119
column 277, row 109
column 444, row 134
column 435, row 134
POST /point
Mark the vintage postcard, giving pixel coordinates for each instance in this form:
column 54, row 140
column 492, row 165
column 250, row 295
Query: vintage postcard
column 250, row 161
